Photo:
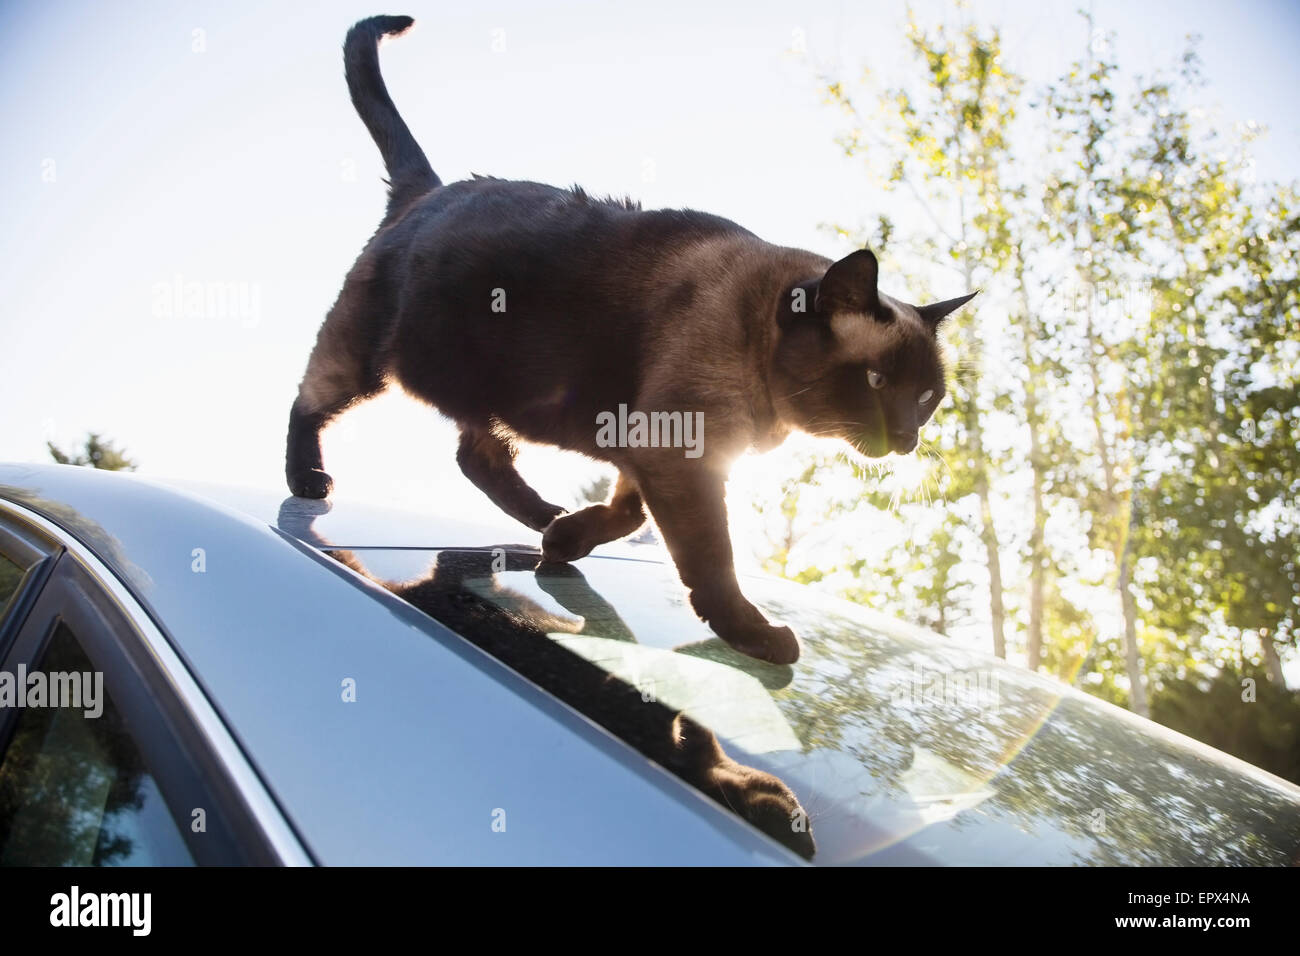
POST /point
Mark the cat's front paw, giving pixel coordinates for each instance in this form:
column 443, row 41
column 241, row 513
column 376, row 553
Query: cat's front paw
column 774, row 643
column 565, row 540
column 312, row 483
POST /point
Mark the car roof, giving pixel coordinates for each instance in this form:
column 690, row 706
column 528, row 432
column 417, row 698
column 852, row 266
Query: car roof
column 345, row 522
column 904, row 766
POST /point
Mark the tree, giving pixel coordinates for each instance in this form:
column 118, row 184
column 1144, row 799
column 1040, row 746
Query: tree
column 950, row 148
column 1125, row 422
column 1224, row 711
column 98, row 452
column 1227, row 302
column 1087, row 208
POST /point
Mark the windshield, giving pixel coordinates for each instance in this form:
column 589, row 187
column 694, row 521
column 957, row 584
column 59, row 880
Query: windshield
column 884, row 744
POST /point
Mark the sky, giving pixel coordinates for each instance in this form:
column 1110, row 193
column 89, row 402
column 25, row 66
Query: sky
column 151, row 146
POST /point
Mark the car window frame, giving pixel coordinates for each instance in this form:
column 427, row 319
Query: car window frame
column 27, row 547
column 172, row 744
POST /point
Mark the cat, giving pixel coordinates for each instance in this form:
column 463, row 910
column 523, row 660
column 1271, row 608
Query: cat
column 525, row 312
column 514, row 629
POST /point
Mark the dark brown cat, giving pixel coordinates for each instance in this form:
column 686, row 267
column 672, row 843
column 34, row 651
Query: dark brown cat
column 666, row 342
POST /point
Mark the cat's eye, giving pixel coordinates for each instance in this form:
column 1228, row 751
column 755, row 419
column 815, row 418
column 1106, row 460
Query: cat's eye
column 875, row 380
column 926, row 396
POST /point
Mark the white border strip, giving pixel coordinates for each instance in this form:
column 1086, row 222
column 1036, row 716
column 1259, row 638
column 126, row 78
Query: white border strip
column 284, row 843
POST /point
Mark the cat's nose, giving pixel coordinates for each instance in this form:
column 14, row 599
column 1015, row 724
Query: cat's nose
column 902, row 441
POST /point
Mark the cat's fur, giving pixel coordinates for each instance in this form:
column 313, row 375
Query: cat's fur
column 607, row 305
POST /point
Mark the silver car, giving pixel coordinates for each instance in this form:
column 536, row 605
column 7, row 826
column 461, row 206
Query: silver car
column 284, row 681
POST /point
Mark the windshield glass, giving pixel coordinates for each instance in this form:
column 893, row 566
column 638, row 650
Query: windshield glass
column 883, row 744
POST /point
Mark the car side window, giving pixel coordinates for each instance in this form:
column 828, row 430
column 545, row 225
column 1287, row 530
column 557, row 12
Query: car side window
column 74, row 788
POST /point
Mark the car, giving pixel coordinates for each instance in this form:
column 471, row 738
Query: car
column 295, row 682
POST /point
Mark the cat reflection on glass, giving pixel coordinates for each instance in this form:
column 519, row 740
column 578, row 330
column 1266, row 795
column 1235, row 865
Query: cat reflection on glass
column 463, row 591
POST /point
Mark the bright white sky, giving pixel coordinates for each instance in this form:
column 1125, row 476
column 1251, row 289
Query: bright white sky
column 130, row 160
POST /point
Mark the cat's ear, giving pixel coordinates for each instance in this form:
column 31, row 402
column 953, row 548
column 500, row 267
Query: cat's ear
column 935, row 313
column 850, row 285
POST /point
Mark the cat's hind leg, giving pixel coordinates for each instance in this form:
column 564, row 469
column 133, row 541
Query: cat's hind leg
column 573, row 536
column 341, row 372
column 488, row 460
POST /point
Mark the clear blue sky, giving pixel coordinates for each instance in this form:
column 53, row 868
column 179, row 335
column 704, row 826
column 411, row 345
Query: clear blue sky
column 130, row 160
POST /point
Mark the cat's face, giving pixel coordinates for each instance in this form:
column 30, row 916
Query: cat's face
column 857, row 364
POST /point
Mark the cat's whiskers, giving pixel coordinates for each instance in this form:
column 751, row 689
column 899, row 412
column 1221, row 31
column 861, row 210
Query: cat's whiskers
column 964, row 372
column 934, row 453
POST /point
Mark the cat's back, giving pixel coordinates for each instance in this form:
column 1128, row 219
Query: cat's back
column 485, row 218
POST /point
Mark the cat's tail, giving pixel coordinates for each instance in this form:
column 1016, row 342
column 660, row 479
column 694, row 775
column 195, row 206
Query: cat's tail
column 409, row 173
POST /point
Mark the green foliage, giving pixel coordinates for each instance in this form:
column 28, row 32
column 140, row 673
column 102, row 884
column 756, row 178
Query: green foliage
column 595, row 492
column 98, row 452
column 1113, row 484
column 1219, row 710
